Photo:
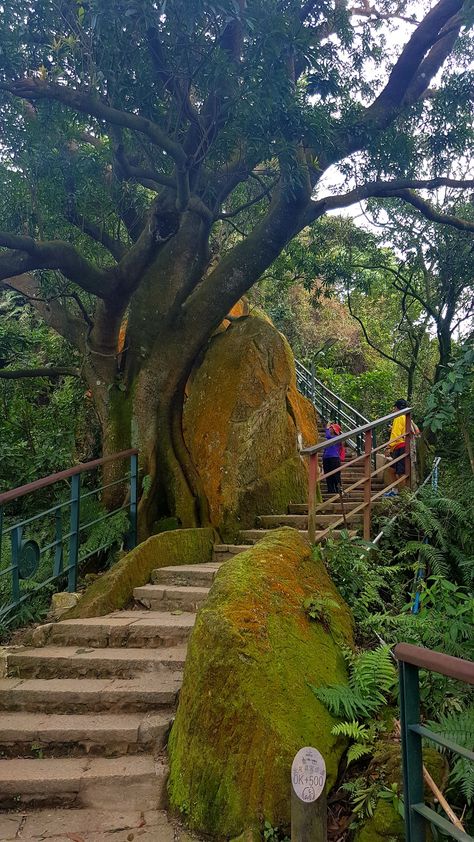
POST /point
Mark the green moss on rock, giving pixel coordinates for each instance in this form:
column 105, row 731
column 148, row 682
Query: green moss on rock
column 114, row 589
column 245, row 707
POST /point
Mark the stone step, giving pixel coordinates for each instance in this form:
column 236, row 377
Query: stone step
column 328, row 508
column 71, row 662
column 301, row 521
column 171, row 597
column 83, row 695
column 41, row 734
column 150, row 629
column 194, row 575
column 254, row 535
column 133, row 782
column 225, row 552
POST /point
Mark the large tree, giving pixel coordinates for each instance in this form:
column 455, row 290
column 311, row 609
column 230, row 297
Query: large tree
column 133, row 131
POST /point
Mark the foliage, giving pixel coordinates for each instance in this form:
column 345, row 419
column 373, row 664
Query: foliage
column 319, row 608
column 448, row 395
column 273, row 834
column 371, row 680
column 158, row 158
column 46, row 424
column 458, row 727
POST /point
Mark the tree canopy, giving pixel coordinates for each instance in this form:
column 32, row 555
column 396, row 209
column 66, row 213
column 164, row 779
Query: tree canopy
column 135, row 134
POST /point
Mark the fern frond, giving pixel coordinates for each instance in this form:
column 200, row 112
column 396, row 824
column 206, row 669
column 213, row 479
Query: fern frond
column 353, row 730
column 356, row 751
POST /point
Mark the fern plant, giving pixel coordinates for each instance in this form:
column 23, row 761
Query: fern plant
column 372, row 678
column 458, row 727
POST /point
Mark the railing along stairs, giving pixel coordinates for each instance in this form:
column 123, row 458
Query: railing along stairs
column 365, row 433
column 329, row 406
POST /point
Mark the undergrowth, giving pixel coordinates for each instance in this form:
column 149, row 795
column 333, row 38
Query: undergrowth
column 414, row 586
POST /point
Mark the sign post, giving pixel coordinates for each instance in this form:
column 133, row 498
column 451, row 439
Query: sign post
column 308, row 797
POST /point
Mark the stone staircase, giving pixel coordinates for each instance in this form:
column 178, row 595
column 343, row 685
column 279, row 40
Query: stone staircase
column 297, row 514
column 86, row 706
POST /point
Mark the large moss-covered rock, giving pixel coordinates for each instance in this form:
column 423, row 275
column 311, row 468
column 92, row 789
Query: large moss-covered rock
column 245, row 707
column 241, row 422
column 114, row 589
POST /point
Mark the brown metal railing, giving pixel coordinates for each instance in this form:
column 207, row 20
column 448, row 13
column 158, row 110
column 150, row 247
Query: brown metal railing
column 366, row 432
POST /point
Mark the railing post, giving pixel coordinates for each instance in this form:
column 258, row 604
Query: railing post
column 412, row 757
column 133, row 501
column 312, row 486
column 313, row 385
column 408, row 435
column 16, row 548
column 74, row 532
column 367, row 484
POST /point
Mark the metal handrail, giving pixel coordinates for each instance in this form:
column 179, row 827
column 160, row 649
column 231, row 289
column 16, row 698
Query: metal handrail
column 370, row 425
column 328, row 391
column 412, row 659
column 26, row 554
column 37, row 485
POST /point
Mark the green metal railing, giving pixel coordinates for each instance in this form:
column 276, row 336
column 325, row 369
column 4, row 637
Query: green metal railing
column 18, row 578
column 417, row 813
column 330, row 406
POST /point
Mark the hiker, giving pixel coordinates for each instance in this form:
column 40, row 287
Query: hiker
column 396, row 445
column 332, row 458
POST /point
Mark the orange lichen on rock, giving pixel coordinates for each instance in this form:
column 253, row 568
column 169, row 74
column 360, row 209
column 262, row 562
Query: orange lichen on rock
column 241, row 424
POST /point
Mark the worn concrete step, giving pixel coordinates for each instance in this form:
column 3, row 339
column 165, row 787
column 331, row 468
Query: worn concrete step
column 133, row 782
column 82, row 695
column 301, row 521
column 225, row 552
column 254, row 535
column 42, row 735
column 194, row 575
column 171, row 597
column 328, row 508
column 150, row 629
column 72, row 662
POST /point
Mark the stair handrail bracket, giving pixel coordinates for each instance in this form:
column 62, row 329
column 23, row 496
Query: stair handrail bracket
column 26, row 555
column 411, row 659
column 365, row 433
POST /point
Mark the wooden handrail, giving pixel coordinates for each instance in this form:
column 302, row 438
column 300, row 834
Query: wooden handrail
column 38, row 484
column 418, row 656
column 315, row 448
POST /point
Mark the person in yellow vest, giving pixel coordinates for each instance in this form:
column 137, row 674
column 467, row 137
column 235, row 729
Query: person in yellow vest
column 396, row 445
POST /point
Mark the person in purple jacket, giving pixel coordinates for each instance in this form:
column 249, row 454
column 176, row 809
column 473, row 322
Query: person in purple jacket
column 332, row 459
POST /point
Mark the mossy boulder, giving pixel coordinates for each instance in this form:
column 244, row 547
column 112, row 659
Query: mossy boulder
column 246, row 708
column 114, row 589
column 242, row 420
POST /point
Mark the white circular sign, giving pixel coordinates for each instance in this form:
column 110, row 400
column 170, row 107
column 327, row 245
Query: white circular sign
column 308, row 774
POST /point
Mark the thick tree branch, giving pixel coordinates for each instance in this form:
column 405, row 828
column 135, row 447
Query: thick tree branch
column 400, row 189
column 53, row 312
column 408, row 64
column 50, row 373
column 87, row 103
column 433, row 61
column 28, row 254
